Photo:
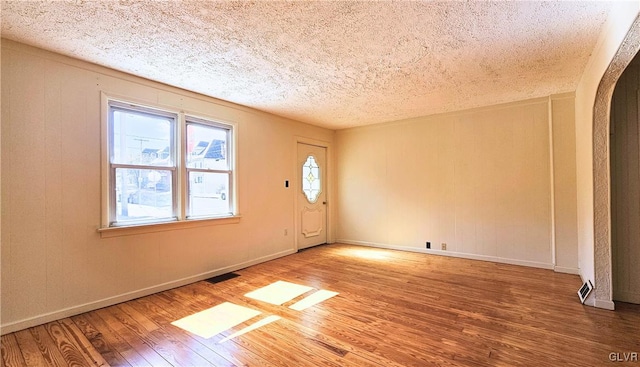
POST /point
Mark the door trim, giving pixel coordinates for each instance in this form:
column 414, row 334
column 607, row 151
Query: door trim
column 329, row 184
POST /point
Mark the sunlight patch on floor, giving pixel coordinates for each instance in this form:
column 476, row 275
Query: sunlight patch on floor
column 313, row 299
column 225, row 316
column 366, row 253
column 279, row 292
column 215, row 320
column 267, row 320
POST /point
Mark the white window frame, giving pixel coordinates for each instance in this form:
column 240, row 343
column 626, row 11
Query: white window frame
column 193, row 120
column 114, row 105
column 180, row 176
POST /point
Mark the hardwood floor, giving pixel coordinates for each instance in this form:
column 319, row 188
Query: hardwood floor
column 393, row 309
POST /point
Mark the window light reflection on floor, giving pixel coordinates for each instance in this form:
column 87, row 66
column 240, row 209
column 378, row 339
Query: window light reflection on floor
column 215, row 320
column 367, row 254
column 258, row 324
column 313, row 299
column 279, row 292
column 227, row 315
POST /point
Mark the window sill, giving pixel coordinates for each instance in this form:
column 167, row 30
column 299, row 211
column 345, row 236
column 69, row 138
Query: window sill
column 168, row 226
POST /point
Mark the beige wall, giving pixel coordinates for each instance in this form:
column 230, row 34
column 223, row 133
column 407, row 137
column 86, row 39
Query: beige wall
column 615, row 29
column 477, row 180
column 54, row 262
column 564, row 181
column 1, row 262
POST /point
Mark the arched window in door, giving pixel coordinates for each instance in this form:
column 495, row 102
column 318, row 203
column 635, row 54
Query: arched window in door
column 311, row 179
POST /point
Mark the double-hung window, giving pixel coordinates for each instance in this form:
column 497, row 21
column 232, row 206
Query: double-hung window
column 165, row 166
column 208, row 168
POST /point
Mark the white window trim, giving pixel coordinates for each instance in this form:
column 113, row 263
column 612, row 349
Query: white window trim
column 192, row 119
column 106, row 230
column 175, row 154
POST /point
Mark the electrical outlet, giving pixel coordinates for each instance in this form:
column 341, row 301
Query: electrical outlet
column 444, row 246
column 428, row 244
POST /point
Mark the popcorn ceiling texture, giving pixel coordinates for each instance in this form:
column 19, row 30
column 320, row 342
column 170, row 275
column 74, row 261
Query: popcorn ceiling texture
column 333, row 64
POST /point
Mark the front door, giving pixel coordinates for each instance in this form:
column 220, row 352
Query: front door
column 311, row 196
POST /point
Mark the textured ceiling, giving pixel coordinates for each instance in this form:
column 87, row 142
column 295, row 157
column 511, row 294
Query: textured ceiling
column 333, row 64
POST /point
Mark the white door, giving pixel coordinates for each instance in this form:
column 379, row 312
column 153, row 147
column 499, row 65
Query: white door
column 311, row 196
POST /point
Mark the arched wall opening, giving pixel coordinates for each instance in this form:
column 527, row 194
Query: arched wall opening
column 601, row 163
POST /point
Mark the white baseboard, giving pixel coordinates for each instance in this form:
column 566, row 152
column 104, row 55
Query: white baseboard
column 561, row 269
column 631, row 297
column 462, row 255
column 607, row 305
column 590, row 301
column 76, row 310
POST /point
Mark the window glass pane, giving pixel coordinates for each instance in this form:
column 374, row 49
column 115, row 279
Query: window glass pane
column 311, row 179
column 142, row 139
column 207, row 147
column 143, row 194
column 208, row 194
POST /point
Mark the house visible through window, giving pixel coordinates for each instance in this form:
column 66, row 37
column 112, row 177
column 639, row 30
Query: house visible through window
column 208, row 169
column 150, row 168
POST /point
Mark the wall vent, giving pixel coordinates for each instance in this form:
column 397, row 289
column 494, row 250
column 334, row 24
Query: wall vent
column 584, row 291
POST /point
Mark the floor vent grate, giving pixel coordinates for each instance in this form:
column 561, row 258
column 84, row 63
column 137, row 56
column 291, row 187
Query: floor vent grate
column 222, row 278
column 584, row 291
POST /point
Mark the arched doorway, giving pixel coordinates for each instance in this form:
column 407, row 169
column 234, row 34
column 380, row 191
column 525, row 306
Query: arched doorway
column 601, row 174
column 624, row 165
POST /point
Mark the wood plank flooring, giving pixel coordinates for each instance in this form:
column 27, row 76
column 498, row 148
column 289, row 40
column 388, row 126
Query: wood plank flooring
column 393, row 309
